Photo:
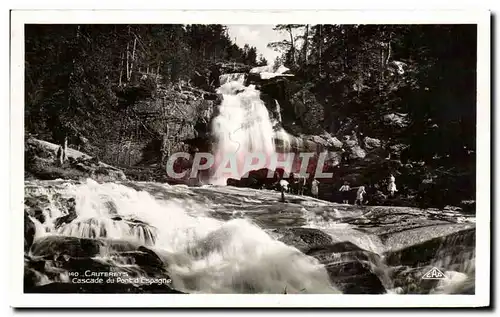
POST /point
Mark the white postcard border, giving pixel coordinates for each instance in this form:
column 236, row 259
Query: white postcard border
column 483, row 180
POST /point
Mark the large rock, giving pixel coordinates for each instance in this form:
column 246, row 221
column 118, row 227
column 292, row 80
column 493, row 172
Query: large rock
column 53, row 257
column 303, row 239
column 40, row 161
column 371, row 143
column 451, row 247
column 258, row 179
column 355, row 278
column 399, row 120
column 353, row 148
column 63, row 245
column 29, row 231
column 71, row 213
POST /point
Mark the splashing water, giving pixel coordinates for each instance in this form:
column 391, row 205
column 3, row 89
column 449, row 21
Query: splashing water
column 204, row 254
column 242, row 127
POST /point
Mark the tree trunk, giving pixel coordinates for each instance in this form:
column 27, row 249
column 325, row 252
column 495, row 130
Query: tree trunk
column 292, row 48
column 320, row 47
column 121, row 71
column 133, row 57
column 128, row 59
column 62, row 154
column 306, row 40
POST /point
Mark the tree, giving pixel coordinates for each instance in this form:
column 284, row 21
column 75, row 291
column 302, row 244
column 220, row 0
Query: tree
column 287, row 46
column 83, row 81
column 262, row 61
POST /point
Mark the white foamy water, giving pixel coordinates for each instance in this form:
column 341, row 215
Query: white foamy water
column 242, row 127
column 204, row 255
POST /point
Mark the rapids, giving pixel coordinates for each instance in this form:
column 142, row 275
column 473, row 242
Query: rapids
column 222, row 239
column 204, row 254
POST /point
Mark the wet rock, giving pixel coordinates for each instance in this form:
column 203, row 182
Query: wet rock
column 342, row 251
column 259, row 179
column 52, row 259
column 213, row 97
column 70, row 206
column 29, row 232
column 351, row 268
column 234, row 182
column 147, row 260
column 63, row 245
column 421, row 254
column 303, row 238
column 35, row 206
column 30, row 279
column 410, row 281
column 355, row 278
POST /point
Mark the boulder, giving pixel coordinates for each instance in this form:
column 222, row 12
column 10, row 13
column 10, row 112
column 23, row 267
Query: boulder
column 234, row 182
column 399, row 120
column 63, row 245
column 54, row 256
column 342, row 251
column 371, row 143
column 352, row 147
column 355, row 278
column 334, row 142
column 450, row 246
column 260, row 179
column 41, row 162
column 356, row 152
column 29, row 232
column 71, row 215
column 303, row 238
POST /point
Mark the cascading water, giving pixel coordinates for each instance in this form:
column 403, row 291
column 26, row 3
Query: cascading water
column 243, row 126
column 201, row 253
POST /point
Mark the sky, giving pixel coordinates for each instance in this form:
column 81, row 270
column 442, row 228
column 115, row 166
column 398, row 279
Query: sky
column 257, row 35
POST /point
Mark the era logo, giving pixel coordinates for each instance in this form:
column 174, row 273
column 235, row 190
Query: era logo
column 434, row 274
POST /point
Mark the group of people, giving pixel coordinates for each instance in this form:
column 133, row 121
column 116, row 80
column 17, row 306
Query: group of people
column 296, row 184
column 361, row 192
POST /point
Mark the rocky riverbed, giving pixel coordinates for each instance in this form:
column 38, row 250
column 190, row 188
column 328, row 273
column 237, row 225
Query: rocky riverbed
column 224, row 239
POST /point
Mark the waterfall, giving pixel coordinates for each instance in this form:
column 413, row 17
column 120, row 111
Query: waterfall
column 242, row 127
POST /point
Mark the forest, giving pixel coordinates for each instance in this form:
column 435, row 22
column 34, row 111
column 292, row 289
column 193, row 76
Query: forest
column 349, row 78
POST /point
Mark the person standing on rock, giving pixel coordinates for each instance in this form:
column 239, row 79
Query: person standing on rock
column 315, row 188
column 392, row 185
column 359, row 195
column 293, row 183
column 283, row 185
column 344, row 191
